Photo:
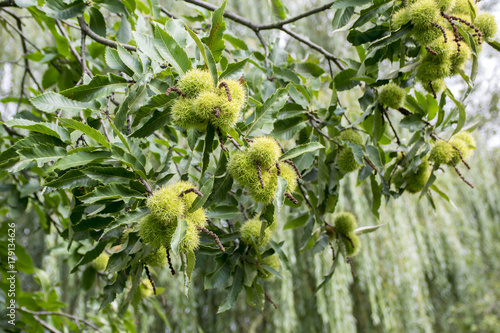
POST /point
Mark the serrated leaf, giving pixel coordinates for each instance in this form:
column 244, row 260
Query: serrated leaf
column 280, row 192
column 212, row 66
column 129, row 60
column 302, row 149
column 297, row 222
column 45, row 128
column 233, row 292
column 51, row 102
column 77, row 159
column 214, row 40
column 114, row 61
column 145, row 43
column 72, row 179
column 266, row 115
column 234, row 70
column 225, row 212
column 43, row 153
column 349, row 3
column 111, row 191
column 108, row 175
column 99, row 86
column 205, row 190
column 342, row 17
column 178, row 237
column 86, row 129
column 90, row 255
column 171, row 51
column 124, row 33
column 220, row 274
column 59, row 10
column 97, row 23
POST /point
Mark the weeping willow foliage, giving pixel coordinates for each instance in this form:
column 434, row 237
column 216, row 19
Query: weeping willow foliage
column 425, row 270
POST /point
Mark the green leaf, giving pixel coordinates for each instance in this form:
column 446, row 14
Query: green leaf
column 58, row 9
column 129, row 60
column 214, row 40
column 129, row 160
column 329, row 275
column 99, row 86
column 278, row 9
column 51, row 102
column 267, row 113
column 297, row 222
column 371, row 12
column 77, row 159
column 86, row 129
column 207, row 148
column 171, row 51
column 234, row 70
column 349, row 3
column 179, row 234
column 220, row 275
column 72, row 179
column 233, row 292
column 43, row 153
column 494, row 44
column 97, row 23
column 394, row 36
column 145, row 43
column 342, row 17
column 109, row 192
column 344, row 79
column 45, row 128
column 115, row 62
column 124, row 34
column 280, row 192
column 108, row 175
column 302, row 149
column 212, row 67
column 225, row 212
column 90, row 255
column 205, row 190
column 462, row 116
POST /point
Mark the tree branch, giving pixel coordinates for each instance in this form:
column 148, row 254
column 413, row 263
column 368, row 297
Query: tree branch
column 276, row 25
column 85, row 28
column 62, row 314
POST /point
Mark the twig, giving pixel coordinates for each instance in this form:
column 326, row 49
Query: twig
column 177, row 90
column 221, row 138
column 384, row 113
column 71, row 47
column 370, row 163
column 99, row 39
column 320, row 132
column 349, row 261
column 166, row 12
column 191, row 190
column 213, row 235
column 294, row 166
column 259, row 172
column 291, row 198
column 269, row 299
column 278, row 169
column 224, row 84
column 145, row 183
column 172, row 270
column 19, row 32
column 51, row 313
column 461, row 176
column 150, row 278
column 305, row 196
column 217, row 112
column 235, row 143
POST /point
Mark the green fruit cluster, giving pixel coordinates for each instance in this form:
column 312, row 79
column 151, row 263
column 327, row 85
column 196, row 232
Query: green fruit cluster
column 431, row 21
column 167, row 207
column 415, row 180
column 345, row 157
column 272, row 261
column 444, row 152
column 392, row 95
column 204, row 103
column 345, row 224
column 263, row 153
column 250, row 232
column 101, row 262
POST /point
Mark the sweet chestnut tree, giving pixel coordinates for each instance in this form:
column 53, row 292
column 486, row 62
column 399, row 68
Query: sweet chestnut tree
column 145, row 139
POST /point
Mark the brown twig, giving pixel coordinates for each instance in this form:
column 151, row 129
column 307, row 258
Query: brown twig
column 443, row 31
column 370, row 163
column 172, row 270
column 384, row 113
column 461, row 176
column 217, row 112
column 84, row 27
column 269, row 299
column 221, row 140
column 432, row 90
column 294, row 166
column 177, row 90
column 191, row 190
column 213, row 235
column 224, row 84
column 349, row 261
column 278, row 169
column 461, row 156
column 259, row 172
column 236, row 144
column 146, row 268
column 291, row 198
column 53, row 313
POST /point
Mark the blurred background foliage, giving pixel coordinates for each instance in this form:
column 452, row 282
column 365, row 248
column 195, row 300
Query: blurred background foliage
column 428, row 269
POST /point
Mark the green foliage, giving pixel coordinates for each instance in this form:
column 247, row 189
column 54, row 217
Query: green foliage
column 103, row 161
